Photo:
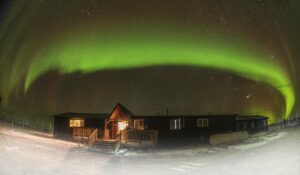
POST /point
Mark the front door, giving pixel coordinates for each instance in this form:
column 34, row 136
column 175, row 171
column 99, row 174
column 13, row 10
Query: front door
column 114, row 128
column 111, row 127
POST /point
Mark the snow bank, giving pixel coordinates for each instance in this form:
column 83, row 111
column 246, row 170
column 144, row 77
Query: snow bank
column 228, row 137
column 259, row 140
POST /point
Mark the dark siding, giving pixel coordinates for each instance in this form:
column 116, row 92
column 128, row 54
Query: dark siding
column 94, row 123
column 62, row 129
column 190, row 130
column 258, row 125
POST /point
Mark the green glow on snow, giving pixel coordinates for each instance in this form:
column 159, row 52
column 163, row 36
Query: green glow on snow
column 117, row 49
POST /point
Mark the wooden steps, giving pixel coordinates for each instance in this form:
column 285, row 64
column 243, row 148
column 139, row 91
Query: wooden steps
column 105, row 146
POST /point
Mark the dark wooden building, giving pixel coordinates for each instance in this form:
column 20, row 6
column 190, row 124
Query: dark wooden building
column 251, row 123
column 121, row 123
column 198, row 126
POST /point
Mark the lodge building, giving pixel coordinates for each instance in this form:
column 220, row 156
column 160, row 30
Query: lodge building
column 122, row 126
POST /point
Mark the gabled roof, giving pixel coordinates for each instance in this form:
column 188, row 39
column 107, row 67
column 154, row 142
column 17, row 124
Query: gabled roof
column 120, row 113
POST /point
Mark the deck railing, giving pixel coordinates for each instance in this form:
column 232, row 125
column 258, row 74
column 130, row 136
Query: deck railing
column 92, row 139
column 117, row 143
column 83, row 132
column 144, row 137
column 100, row 133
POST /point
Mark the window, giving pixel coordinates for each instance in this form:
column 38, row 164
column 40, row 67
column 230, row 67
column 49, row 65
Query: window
column 76, row 122
column 264, row 123
column 138, row 124
column 175, row 124
column 202, row 123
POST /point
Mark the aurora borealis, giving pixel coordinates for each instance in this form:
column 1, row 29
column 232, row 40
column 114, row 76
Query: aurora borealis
column 109, row 53
column 86, row 37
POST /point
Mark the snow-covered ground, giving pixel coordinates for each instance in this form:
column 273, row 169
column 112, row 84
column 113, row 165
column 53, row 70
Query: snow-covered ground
column 276, row 152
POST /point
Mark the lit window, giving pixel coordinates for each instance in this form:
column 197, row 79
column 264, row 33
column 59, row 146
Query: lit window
column 76, row 122
column 138, row 124
column 202, row 123
column 175, row 124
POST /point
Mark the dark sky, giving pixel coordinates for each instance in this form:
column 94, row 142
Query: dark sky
column 51, row 46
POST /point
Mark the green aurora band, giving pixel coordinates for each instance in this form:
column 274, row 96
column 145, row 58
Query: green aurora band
column 99, row 50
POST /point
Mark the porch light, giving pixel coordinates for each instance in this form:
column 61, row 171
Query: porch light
column 122, row 125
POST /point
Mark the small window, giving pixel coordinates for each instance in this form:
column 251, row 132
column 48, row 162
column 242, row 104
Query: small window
column 175, row 124
column 202, row 123
column 264, row 123
column 138, row 124
column 76, row 122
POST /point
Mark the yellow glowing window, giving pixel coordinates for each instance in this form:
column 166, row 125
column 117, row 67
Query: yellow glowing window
column 76, row 122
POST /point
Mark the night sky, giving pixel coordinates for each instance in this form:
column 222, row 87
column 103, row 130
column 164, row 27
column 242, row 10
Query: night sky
column 190, row 56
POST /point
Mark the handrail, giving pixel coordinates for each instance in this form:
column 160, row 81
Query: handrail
column 146, row 137
column 93, row 138
column 82, row 131
column 100, row 133
column 117, row 143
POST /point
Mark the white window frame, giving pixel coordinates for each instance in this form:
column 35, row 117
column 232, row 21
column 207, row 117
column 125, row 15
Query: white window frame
column 176, row 124
column 264, row 123
column 202, row 123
